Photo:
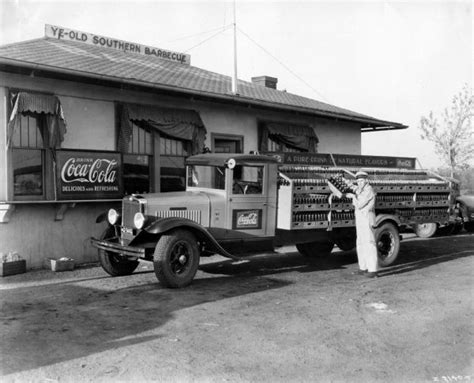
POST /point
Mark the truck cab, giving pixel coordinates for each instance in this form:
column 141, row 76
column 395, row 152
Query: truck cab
column 242, row 191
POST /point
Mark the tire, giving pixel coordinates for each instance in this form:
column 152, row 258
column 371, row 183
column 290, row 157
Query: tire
column 450, row 229
column 176, row 259
column 425, row 230
column 469, row 226
column 346, row 243
column 315, row 249
column 387, row 239
column 113, row 263
column 457, row 228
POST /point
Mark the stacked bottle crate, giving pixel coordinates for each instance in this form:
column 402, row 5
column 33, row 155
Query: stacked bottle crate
column 414, row 195
column 305, row 199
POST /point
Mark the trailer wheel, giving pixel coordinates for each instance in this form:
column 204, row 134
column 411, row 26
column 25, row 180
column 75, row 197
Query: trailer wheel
column 469, row 226
column 315, row 249
column 425, row 230
column 387, row 239
column 346, row 243
column 176, row 258
column 112, row 263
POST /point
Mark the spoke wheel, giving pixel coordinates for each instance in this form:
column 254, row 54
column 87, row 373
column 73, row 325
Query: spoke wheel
column 113, row 263
column 388, row 243
column 176, row 259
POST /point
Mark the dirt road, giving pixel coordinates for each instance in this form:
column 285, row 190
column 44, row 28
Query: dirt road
column 275, row 318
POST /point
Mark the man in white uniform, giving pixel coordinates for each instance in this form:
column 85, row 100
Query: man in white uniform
column 364, row 203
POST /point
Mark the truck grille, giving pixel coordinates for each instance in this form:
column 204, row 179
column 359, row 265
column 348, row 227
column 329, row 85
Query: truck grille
column 129, row 209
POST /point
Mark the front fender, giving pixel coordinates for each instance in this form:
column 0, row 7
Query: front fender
column 164, row 225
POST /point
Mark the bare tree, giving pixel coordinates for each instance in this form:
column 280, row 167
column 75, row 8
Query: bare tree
column 454, row 136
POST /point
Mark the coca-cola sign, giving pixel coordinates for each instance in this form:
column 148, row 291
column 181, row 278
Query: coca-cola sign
column 88, row 175
column 247, row 219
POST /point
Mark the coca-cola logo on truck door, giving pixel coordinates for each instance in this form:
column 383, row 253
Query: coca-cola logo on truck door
column 247, row 219
column 88, row 175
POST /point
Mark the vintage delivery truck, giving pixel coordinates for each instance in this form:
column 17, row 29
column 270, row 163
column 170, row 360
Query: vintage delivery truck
column 237, row 205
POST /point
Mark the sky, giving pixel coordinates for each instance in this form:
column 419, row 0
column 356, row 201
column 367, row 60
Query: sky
column 392, row 60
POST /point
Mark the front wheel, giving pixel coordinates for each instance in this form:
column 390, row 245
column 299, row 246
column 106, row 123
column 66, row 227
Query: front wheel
column 314, row 249
column 113, row 263
column 387, row 239
column 176, row 258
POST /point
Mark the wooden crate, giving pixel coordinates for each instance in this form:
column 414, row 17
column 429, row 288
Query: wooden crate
column 12, row 268
column 62, row 265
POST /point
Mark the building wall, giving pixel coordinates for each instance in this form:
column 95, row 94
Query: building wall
column 34, row 231
column 3, row 141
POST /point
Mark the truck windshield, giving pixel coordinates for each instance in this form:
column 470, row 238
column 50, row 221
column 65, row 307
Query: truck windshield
column 212, row 177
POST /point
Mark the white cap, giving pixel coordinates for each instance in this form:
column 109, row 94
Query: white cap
column 361, row 174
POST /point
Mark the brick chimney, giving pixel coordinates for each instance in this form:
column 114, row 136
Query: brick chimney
column 266, row 81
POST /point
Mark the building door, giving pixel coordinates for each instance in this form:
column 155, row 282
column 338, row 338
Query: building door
column 226, row 143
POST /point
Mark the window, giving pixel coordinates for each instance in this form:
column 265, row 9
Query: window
column 247, row 180
column 137, row 161
column 172, row 169
column 204, row 177
column 274, row 146
column 35, row 129
column 287, row 137
column 28, row 156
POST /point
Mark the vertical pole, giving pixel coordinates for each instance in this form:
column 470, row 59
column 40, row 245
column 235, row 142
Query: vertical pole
column 234, row 77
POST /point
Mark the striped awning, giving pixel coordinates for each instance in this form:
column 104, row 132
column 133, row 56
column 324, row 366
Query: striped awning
column 48, row 105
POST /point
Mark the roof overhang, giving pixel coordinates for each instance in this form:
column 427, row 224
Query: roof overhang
column 47, row 71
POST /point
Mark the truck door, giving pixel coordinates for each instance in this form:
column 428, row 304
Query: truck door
column 251, row 213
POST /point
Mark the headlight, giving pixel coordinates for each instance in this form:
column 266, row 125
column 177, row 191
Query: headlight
column 112, row 216
column 139, row 220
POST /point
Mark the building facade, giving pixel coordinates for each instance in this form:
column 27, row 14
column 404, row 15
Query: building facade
column 85, row 120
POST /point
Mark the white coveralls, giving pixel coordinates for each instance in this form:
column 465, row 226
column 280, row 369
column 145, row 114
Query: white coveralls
column 364, row 203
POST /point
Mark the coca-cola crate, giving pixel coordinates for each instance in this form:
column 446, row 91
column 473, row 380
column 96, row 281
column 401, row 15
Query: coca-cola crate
column 311, row 207
column 310, row 225
column 311, row 188
column 343, row 223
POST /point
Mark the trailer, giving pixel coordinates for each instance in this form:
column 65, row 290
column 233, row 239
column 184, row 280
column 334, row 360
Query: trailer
column 238, row 205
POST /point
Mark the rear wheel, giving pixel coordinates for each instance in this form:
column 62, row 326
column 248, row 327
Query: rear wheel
column 346, row 243
column 387, row 239
column 425, row 230
column 176, row 258
column 113, row 263
column 315, row 249
column 450, row 229
column 469, row 226
column 457, row 228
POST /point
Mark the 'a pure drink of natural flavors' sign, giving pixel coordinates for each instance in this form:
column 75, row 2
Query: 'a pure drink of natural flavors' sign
column 88, row 175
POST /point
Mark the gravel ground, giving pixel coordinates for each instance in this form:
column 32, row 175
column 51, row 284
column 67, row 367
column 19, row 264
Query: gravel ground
column 274, row 318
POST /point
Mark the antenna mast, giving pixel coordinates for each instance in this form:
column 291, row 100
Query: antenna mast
column 234, row 77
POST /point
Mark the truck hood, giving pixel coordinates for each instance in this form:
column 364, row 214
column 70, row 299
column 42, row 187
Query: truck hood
column 193, row 205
